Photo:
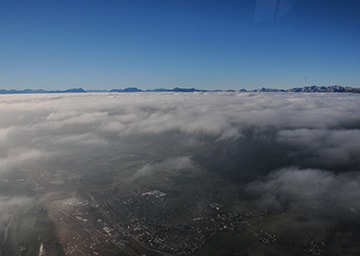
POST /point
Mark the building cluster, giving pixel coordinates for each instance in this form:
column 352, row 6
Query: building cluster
column 148, row 220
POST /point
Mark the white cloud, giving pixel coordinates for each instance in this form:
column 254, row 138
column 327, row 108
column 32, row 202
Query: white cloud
column 338, row 146
column 242, row 136
column 308, row 190
column 20, row 156
column 325, row 123
column 172, row 166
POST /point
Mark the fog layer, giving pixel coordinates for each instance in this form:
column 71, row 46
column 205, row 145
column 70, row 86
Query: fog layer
column 288, row 151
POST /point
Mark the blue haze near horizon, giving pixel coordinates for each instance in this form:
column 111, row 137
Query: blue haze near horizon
column 157, row 43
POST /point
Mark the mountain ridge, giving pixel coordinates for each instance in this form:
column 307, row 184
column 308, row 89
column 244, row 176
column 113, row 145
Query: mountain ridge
column 305, row 89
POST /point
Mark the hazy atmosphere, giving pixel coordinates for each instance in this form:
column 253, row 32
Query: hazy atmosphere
column 294, row 158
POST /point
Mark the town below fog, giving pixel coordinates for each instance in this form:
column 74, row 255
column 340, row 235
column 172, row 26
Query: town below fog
column 180, row 173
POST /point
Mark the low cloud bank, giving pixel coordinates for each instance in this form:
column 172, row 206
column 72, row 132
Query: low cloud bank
column 309, row 190
column 243, row 136
column 176, row 165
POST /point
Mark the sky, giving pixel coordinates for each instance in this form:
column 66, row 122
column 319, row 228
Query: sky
column 60, row 44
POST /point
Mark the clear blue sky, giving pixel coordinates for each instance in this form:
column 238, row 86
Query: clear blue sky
column 208, row 44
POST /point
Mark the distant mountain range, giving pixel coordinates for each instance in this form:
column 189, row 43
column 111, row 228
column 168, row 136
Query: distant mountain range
column 306, row 89
column 314, row 88
column 30, row 91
